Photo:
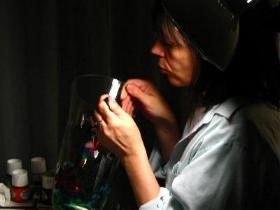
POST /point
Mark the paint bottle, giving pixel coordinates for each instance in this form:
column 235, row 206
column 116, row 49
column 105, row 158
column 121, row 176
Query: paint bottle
column 38, row 168
column 20, row 191
column 47, row 187
column 12, row 164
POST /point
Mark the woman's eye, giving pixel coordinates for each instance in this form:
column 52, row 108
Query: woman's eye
column 167, row 44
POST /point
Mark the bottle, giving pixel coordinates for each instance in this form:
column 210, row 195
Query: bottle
column 86, row 172
column 47, row 187
column 20, row 191
column 38, row 168
column 12, row 164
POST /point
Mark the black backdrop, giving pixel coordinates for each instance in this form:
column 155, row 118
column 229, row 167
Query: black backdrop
column 44, row 45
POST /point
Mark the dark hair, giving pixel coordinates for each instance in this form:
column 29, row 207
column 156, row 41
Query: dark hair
column 207, row 91
column 163, row 26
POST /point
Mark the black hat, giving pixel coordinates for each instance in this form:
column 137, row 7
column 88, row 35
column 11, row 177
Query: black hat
column 212, row 26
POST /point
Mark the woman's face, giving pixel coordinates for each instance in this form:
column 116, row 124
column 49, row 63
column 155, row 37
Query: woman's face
column 177, row 61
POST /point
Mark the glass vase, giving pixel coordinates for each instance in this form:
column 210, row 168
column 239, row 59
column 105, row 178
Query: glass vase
column 86, row 172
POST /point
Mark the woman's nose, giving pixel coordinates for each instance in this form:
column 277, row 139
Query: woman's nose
column 157, row 49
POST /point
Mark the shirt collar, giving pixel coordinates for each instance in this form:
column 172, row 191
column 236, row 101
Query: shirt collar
column 225, row 109
column 228, row 107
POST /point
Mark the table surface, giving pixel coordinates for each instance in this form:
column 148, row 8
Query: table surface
column 27, row 205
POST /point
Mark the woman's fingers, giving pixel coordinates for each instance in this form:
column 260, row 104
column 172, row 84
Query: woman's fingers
column 136, row 82
column 115, row 127
column 98, row 120
column 103, row 107
column 130, row 109
column 139, row 92
column 115, row 107
column 125, row 103
column 128, row 106
column 109, row 109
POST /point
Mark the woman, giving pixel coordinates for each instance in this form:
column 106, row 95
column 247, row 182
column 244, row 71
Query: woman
column 222, row 160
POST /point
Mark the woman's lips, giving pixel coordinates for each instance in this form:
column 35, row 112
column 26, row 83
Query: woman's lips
column 163, row 71
column 162, row 68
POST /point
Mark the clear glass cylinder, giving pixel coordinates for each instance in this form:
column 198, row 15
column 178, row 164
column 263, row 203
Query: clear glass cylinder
column 85, row 171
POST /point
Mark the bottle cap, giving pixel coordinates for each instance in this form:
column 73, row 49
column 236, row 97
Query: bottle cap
column 19, row 178
column 13, row 164
column 38, row 165
column 48, row 180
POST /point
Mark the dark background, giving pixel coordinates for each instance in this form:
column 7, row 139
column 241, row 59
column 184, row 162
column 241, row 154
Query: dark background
column 44, row 45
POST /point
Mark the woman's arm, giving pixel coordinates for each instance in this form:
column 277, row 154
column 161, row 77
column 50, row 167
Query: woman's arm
column 119, row 133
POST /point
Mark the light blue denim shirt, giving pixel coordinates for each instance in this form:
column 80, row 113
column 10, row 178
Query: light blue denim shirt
column 220, row 163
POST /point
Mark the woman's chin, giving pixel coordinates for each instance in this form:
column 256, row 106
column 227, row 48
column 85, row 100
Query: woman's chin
column 177, row 82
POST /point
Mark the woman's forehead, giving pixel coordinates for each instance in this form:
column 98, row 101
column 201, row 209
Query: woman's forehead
column 171, row 34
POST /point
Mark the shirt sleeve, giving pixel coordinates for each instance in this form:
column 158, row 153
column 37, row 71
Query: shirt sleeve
column 159, row 203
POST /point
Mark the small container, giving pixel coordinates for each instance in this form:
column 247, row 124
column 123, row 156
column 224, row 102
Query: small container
column 38, row 168
column 12, row 164
column 47, row 187
column 20, row 191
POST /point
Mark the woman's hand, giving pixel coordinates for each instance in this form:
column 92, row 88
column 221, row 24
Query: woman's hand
column 117, row 130
column 155, row 108
column 144, row 94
